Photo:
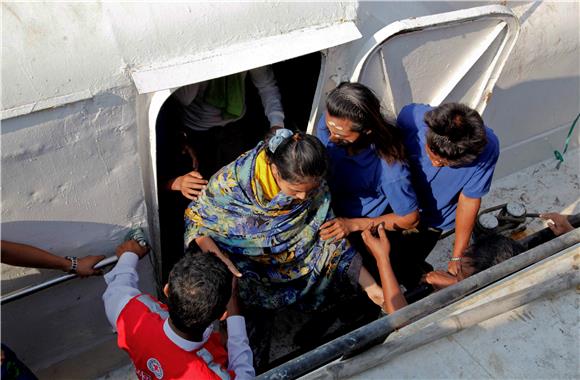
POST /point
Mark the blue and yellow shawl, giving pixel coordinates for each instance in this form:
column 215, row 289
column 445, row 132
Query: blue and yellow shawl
column 273, row 242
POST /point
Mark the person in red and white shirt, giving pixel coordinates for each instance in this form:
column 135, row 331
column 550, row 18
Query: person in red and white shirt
column 176, row 341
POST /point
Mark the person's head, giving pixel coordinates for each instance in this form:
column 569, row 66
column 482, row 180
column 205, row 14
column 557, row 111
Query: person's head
column 353, row 117
column 456, row 135
column 199, row 288
column 487, row 252
column 298, row 160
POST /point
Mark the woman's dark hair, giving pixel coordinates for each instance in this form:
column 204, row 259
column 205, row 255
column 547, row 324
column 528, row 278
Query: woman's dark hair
column 299, row 158
column 456, row 133
column 357, row 103
column 200, row 286
column 491, row 250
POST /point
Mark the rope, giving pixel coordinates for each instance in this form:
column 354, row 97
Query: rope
column 560, row 156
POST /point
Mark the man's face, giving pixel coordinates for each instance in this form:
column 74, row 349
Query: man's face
column 341, row 132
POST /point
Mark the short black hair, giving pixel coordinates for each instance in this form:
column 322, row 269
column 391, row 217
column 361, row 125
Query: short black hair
column 456, row 133
column 358, row 103
column 300, row 158
column 200, row 286
column 491, row 250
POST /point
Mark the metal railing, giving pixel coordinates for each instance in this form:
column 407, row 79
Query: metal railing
column 136, row 233
column 52, row 282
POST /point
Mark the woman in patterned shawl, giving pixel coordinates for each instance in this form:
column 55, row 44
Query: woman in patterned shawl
column 263, row 211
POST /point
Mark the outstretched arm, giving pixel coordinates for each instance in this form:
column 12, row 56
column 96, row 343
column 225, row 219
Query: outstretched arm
column 24, row 255
column 381, row 249
column 467, row 209
column 340, row 228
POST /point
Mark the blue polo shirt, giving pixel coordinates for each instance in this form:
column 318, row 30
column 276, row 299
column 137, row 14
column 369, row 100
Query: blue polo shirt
column 438, row 188
column 364, row 185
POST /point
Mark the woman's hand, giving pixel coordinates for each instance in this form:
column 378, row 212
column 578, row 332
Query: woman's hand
column 379, row 246
column 337, row 229
column 191, row 185
column 206, row 244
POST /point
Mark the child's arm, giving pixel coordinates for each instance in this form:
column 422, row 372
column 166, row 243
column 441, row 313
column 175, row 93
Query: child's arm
column 381, row 249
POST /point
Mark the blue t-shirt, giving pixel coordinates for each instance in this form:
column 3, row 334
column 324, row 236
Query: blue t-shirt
column 365, row 185
column 438, row 188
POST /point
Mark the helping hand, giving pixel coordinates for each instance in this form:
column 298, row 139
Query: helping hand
column 439, row 279
column 337, row 229
column 380, row 247
column 131, row 246
column 453, row 267
column 85, row 266
column 191, row 185
column 558, row 223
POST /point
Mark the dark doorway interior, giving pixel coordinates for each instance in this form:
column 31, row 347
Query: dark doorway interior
column 296, row 79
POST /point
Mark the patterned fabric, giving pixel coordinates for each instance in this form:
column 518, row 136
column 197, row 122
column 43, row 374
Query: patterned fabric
column 274, row 243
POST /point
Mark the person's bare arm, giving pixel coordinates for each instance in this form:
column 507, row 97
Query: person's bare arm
column 381, row 249
column 340, row 228
column 206, row 244
column 440, row 279
column 465, row 216
column 24, row 255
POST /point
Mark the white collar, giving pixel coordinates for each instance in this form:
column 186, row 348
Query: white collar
column 184, row 344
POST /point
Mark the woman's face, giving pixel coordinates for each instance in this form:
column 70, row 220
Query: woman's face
column 299, row 191
column 340, row 129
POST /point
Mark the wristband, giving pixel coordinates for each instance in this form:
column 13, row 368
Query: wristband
column 455, row 259
column 74, row 263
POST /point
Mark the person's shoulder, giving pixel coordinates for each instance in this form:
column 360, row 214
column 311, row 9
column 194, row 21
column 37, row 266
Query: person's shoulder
column 321, row 130
column 148, row 303
column 492, row 139
column 491, row 152
column 395, row 171
column 412, row 115
column 322, row 121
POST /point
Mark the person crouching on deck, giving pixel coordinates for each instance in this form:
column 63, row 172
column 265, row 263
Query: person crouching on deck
column 176, row 341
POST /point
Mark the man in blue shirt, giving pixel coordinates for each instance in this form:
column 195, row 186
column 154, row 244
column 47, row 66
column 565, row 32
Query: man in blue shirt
column 452, row 155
